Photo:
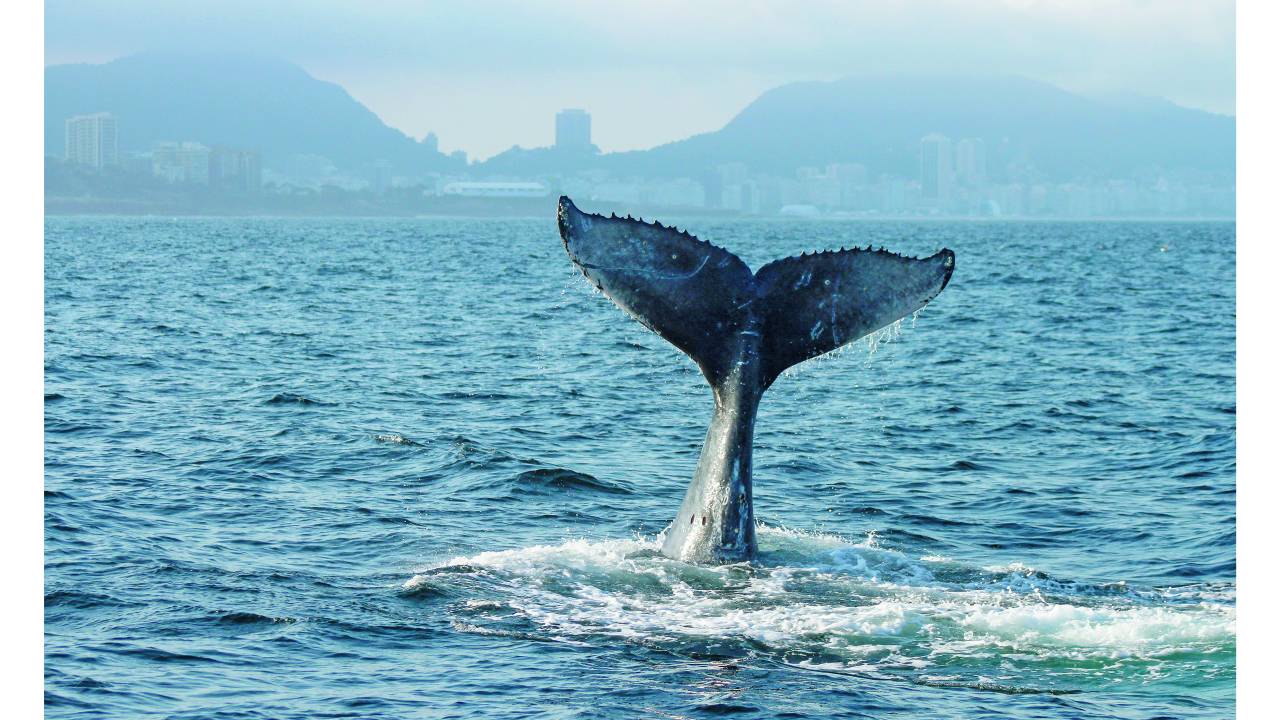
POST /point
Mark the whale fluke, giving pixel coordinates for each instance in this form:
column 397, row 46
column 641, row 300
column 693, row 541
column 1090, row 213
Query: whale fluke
column 688, row 291
column 816, row 303
column 742, row 329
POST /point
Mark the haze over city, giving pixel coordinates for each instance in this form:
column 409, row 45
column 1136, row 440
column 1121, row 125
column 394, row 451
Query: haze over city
column 943, row 109
column 487, row 76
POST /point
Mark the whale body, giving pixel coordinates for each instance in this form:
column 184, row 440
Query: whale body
column 742, row 329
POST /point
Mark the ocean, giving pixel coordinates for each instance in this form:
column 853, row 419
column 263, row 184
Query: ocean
column 393, row 468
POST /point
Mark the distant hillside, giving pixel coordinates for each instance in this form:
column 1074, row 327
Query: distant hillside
column 279, row 109
column 270, row 105
column 878, row 121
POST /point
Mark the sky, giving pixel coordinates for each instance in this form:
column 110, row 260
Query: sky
column 487, row 75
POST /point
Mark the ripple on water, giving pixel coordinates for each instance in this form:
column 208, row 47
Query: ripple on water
column 256, row 428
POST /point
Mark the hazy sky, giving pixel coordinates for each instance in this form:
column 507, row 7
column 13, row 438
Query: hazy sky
column 488, row 75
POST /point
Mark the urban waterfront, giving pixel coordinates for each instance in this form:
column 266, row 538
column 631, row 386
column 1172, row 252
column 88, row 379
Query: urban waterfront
column 953, row 181
column 986, row 149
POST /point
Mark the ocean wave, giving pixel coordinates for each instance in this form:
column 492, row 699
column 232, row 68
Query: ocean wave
column 288, row 398
column 559, row 479
column 251, row 618
column 395, row 439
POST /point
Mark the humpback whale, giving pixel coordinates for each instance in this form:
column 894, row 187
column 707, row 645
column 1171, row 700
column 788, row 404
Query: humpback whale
column 742, row 329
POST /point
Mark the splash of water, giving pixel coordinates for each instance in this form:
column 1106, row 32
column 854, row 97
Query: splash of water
column 823, row 602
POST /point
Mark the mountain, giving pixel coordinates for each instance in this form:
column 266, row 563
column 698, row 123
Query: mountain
column 1037, row 129
column 878, row 121
column 238, row 100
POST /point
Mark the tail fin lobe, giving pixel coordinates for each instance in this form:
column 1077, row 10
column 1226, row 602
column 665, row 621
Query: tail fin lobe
column 692, row 293
column 813, row 304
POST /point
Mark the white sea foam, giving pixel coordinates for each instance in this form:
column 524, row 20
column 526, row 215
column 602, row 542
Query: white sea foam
column 853, row 604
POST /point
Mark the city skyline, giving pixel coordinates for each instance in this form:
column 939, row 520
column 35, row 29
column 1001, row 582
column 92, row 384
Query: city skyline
column 952, row 180
column 697, row 65
column 569, row 120
column 885, row 145
column 552, row 135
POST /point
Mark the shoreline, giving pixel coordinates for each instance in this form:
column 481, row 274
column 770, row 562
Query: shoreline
column 682, row 214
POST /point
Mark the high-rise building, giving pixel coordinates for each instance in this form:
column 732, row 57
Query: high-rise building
column 235, row 169
column 971, row 162
column 91, row 140
column 181, row 162
column 935, row 168
column 852, row 173
column 734, row 173
column 432, row 142
column 573, row 130
column 380, row 176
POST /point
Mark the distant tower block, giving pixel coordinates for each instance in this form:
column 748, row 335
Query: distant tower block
column 91, row 140
column 971, row 162
column 432, row 142
column 935, row 168
column 573, row 130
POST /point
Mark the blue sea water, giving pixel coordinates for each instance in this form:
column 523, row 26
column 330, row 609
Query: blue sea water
column 416, row 468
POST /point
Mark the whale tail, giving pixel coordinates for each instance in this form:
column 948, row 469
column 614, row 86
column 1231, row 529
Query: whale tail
column 704, row 299
column 743, row 329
